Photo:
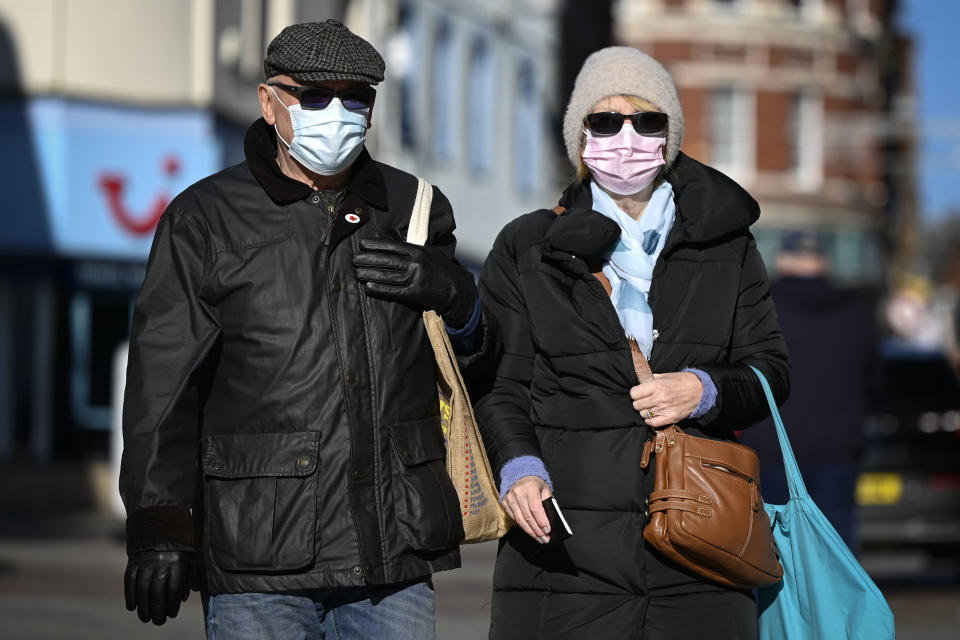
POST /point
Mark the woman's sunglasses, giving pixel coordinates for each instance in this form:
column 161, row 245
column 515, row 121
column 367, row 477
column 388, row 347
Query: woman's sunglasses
column 610, row 122
column 353, row 98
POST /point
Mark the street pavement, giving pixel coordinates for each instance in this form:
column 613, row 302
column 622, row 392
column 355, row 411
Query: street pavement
column 60, row 577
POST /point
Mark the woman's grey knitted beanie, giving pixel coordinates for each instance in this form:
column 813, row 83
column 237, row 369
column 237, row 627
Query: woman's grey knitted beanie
column 622, row 71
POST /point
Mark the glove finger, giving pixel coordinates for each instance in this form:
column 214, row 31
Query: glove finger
column 158, row 597
column 383, row 275
column 130, row 587
column 176, row 589
column 385, row 291
column 387, row 245
column 381, row 260
column 144, row 579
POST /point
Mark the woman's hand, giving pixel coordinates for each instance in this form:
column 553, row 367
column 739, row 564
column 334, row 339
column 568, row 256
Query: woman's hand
column 524, row 503
column 667, row 399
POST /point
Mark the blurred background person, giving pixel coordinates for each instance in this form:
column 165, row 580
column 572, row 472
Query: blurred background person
column 833, row 340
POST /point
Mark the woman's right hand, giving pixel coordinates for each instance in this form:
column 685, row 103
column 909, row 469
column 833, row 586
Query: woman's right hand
column 524, row 503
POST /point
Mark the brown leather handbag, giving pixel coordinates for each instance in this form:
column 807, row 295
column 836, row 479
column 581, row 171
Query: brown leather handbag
column 706, row 513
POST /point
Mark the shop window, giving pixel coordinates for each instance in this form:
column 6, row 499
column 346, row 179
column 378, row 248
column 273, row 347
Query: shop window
column 98, row 324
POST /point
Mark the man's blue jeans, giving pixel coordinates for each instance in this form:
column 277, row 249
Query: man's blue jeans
column 398, row 612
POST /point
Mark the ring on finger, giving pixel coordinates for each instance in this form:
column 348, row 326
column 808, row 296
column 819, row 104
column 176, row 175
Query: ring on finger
column 650, row 414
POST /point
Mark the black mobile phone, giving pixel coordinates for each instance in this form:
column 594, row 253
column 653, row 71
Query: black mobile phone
column 559, row 529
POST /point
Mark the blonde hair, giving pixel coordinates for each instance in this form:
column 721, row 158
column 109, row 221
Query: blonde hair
column 638, row 103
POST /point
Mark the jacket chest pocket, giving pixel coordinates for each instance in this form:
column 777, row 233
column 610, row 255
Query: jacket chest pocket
column 260, row 493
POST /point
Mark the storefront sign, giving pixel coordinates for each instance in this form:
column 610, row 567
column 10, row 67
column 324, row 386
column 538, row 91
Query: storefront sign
column 93, row 179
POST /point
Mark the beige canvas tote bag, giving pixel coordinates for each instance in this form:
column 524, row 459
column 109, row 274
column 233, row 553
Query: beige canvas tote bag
column 483, row 517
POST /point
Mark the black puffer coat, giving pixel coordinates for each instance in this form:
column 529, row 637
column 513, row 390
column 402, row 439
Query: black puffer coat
column 276, row 418
column 561, row 392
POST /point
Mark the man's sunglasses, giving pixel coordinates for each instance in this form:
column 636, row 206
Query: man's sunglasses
column 353, row 98
column 610, row 122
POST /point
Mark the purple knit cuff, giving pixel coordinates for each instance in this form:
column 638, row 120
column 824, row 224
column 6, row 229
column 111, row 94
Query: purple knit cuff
column 520, row 467
column 709, row 396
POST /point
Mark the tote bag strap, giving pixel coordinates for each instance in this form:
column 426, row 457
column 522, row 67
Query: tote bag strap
column 420, row 215
column 794, row 479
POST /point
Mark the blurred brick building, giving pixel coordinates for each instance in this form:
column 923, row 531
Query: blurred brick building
column 807, row 103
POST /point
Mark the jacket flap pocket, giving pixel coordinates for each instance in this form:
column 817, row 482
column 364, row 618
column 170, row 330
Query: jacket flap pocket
column 255, row 455
column 418, row 441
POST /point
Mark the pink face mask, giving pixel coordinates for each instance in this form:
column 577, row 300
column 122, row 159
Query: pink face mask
column 624, row 163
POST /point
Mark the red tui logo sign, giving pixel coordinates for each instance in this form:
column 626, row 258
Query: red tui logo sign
column 113, row 186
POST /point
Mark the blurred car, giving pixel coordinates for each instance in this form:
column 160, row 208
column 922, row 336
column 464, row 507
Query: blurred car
column 909, row 489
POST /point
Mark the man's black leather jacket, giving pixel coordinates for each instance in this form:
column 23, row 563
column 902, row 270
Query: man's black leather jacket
column 276, row 419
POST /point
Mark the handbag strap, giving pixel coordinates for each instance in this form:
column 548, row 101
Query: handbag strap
column 794, row 480
column 640, row 364
column 420, row 214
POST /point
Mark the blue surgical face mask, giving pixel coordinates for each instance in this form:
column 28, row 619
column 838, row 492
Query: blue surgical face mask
column 326, row 141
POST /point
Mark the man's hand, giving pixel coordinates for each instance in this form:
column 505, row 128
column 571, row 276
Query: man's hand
column 418, row 276
column 668, row 398
column 524, row 503
column 156, row 582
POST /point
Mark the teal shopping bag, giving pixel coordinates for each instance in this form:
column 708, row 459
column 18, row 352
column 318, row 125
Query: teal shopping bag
column 825, row 594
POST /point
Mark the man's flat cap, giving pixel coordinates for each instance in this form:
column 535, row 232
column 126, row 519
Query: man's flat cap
column 321, row 52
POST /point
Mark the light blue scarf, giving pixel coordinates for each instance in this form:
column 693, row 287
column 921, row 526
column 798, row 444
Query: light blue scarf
column 631, row 264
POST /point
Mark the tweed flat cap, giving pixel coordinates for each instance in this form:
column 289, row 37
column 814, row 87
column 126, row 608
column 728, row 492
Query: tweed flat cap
column 622, row 71
column 321, row 52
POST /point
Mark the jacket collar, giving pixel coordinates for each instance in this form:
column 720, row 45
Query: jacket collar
column 260, row 149
column 709, row 204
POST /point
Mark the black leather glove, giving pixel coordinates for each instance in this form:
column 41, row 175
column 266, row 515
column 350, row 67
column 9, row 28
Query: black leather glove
column 156, row 582
column 418, row 276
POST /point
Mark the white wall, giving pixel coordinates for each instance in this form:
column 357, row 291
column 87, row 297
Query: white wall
column 128, row 50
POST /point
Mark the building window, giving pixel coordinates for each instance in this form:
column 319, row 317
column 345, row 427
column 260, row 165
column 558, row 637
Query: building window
column 480, row 107
column 730, row 126
column 406, row 60
column 443, row 90
column 848, row 255
column 726, row 5
column 806, row 9
column 527, row 123
column 805, row 139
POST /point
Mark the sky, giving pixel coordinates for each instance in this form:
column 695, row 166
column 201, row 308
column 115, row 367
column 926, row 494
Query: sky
column 933, row 25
